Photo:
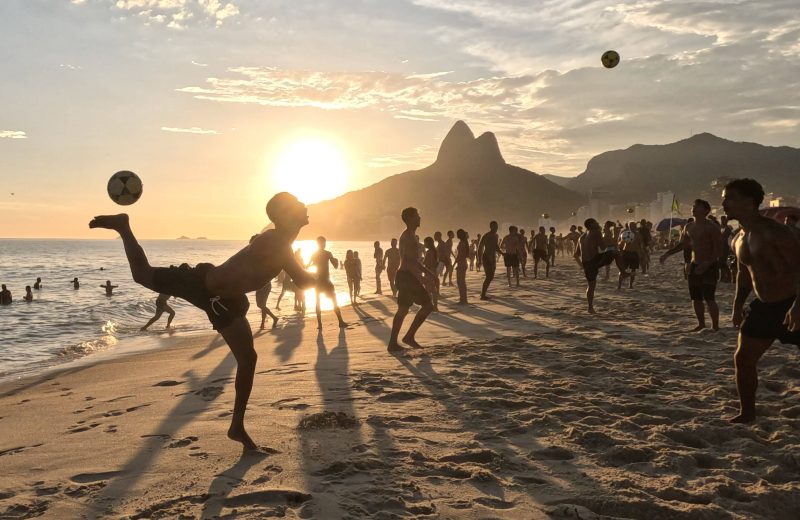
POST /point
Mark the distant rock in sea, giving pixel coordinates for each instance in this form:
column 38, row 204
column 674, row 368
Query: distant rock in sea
column 183, row 237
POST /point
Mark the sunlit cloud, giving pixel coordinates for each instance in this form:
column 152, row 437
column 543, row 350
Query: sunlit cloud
column 12, row 134
column 174, row 14
column 192, row 130
column 199, row 64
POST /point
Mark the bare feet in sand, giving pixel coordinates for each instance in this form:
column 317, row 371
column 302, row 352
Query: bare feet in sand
column 411, row 342
column 698, row 328
column 109, row 221
column 239, row 435
column 342, row 325
column 396, row 350
column 742, row 419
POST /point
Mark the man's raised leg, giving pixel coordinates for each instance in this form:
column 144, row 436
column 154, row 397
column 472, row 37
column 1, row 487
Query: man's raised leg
column 141, row 270
column 748, row 352
column 422, row 314
column 240, row 340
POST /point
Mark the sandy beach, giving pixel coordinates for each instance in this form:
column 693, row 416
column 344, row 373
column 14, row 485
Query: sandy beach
column 521, row 407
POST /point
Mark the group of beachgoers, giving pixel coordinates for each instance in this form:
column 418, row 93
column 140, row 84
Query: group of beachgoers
column 6, row 298
column 766, row 262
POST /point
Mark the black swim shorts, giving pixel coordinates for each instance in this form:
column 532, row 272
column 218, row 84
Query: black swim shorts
column 189, row 283
column 511, row 260
column 703, row 286
column 540, row 254
column 592, row 267
column 410, row 290
column 765, row 321
column 630, row 260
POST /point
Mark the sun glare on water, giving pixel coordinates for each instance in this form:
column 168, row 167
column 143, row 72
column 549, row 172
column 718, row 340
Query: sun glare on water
column 312, row 170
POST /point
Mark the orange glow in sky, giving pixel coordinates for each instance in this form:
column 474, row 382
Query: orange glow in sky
column 312, row 169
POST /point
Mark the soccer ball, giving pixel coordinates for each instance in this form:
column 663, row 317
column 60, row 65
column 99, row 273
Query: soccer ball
column 610, row 59
column 629, row 210
column 124, row 188
column 627, row 236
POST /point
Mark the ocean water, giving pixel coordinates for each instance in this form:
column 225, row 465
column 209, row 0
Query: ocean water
column 62, row 323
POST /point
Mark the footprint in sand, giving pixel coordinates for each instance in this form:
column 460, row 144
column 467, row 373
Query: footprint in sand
column 89, row 478
column 180, row 443
column 18, row 449
column 169, row 382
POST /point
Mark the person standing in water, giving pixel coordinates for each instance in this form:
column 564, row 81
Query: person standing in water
column 161, row 307
column 108, row 287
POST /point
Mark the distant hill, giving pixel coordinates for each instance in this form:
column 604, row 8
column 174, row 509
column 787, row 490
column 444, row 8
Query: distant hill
column 561, row 181
column 687, row 168
column 468, row 185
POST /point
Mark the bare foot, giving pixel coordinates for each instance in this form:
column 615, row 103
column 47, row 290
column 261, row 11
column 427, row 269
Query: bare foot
column 411, row 342
column 239, row 435
column 698, row 328
column 274, row 322
column 742, row 418
column 592, row 311
column 342, row 325
column 115, row 222
column 262, row 326
column 485, row 298
column 396, row 350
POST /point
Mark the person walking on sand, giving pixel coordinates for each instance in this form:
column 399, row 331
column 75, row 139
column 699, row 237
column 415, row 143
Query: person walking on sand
column 551, row 247
column 631, row 247
column 37, row 284
column 450, row 256
column 221, row 290
column 108, row 287
column 379, row 266
column 432, row 263
column 392, row 261
column 478, row 258
column 768, row 254
column 5, row 296
column 261, row 302
column 161, row 307
column 538, row 248
column 488, row 247
column 462, row 259
column 705, row 240
column 351, row 272
column 473, row 249
column 359, row 277
column 592, row 256
column 511, row 245
column 415, row 283
column 323, row 259
column 523, row 255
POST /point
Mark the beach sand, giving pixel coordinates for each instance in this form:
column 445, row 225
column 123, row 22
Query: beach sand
column 521, row 407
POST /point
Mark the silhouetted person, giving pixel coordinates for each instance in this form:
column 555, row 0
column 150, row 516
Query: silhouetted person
column 551, row 247
column 432, row 263
column 448, row 249
column 379, row 267
column 161, row 307
column 351, row 272
column 523, row 255
column 725, row 274
column 488, row 248
column 359, row 275
column 28, row 294
column 323, row 259
column 415, row 283
column 462, row 259
column 539, row 252
column 5, row 295
column 706, row 244
column 37, row 284
column 588, row 253
column 220, row 290
column 511, row 246
column 473, row 250
column 769, row 265
column 631, row 252
column 76, row 284
column 392, row 260
column 108, row 287
column 478, row 259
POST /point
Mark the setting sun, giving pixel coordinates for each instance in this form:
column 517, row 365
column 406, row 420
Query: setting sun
column 312, row 170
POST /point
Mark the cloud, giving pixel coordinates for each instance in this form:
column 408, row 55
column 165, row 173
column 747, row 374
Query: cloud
column 12, row 134
column 175, row 14
column 192, row 130
column 199, row 64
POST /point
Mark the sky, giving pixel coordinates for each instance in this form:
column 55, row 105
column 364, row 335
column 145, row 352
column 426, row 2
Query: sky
column 203, row 98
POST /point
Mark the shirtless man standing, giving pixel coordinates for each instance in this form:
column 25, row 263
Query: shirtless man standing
column 512, row 246
column 392, row 261
column 487, row 253
column 539, row 251
column 588, row 254
column 415, row 283
column 705, row 239
column 768, row 254
column 379, row 266
column 220, row 290
column 323, row 259
column 632, row 252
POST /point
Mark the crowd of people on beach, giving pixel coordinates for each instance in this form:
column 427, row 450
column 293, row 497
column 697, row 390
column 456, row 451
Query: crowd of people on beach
column 763, row 256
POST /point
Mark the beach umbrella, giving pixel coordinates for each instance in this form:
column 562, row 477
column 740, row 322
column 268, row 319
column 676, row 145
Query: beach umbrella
column 780, row 213
column 665, row 223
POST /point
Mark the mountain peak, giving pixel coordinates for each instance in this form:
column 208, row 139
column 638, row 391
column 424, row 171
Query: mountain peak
column 461, row 150
column 705, row 138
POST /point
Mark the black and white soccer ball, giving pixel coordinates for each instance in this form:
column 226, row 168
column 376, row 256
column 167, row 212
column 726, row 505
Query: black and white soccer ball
column 124, row 188
column 610, row 59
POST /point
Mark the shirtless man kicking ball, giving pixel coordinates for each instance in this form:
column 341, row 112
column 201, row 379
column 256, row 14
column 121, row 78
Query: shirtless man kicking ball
column 769, row 265
column 220, row 290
